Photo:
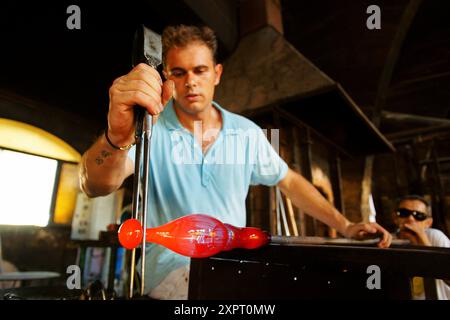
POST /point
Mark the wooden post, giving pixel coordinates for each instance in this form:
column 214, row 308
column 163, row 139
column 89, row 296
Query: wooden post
column 366, row 189
column 298, row 167
column 306, row 166
column 336, row 185
column 292, row 216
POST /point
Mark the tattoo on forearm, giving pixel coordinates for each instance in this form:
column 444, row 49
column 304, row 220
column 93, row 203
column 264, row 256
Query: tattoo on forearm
column 103, row 155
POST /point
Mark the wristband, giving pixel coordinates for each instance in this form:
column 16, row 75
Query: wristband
column 117, row 147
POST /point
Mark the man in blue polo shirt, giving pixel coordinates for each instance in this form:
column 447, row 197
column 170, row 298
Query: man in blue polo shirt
column 203, row 158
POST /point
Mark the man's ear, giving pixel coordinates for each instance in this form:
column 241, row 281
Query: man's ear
column 219, row 69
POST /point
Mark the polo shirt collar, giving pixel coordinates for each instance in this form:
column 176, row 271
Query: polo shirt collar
column 170, row 117
column 172, row 122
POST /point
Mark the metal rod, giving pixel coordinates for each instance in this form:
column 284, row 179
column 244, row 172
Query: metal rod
column 322, row 240
column 297, row 240
column 292, row 216
column 147, row 48
column 136, row 180
column 283, row 212
column 277, row 206
column 148, row 119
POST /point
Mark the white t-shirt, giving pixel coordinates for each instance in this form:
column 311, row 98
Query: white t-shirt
column 439, row 239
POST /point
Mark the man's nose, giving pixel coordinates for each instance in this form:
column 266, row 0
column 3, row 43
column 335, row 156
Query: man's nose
column 191, row 79
column 411, row 218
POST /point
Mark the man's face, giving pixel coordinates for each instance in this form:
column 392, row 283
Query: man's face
column 195, row 76
column 412, row 205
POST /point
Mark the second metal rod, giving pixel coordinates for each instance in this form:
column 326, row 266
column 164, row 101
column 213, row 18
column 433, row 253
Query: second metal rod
column 148, row 126
column 136, row 182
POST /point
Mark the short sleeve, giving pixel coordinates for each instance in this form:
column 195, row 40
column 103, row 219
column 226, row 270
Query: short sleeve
column 438, row 238
column 268, row 167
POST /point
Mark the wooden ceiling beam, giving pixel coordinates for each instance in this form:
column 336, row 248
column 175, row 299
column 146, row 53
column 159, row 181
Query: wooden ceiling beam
column 392, row 58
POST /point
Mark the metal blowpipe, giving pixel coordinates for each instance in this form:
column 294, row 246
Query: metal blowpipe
column 147, row 48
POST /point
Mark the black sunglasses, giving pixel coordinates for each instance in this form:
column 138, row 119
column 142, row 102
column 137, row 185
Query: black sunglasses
column 405, row 213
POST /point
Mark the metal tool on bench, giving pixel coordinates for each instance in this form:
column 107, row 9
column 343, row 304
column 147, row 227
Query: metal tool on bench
column 147, row 48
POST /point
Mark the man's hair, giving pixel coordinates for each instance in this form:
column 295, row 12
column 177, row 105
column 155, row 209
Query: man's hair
column 181, row 35
column 414, row 197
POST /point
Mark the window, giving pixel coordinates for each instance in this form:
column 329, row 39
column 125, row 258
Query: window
column 26, row 188
column 38, row 176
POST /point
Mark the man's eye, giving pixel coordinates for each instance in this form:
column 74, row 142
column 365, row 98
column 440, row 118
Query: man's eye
column 177, row 73
column 200, row 71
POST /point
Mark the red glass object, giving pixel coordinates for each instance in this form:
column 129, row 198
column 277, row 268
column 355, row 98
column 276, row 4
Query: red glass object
column 195, row 235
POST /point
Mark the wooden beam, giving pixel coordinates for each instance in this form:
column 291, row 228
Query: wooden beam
column 298, row 167
column 415, row 133
column 336, row 182
column 306, row 165
column 256, row 14
column 366, row 189
column 404, row 117
column 439, row 160
column 411, row 81
column 439, row 191
column 392, row 58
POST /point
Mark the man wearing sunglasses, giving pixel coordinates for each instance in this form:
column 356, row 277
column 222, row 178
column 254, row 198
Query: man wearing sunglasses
column 414, row 221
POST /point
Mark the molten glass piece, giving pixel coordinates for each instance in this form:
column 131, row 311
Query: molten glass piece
column 195, row 235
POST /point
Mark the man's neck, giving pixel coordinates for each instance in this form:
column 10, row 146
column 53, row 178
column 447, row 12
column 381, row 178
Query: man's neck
column 205, row 125
column 210, row 118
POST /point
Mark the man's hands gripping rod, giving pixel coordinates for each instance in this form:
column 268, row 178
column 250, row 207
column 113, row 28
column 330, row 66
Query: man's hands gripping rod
column 143, row 87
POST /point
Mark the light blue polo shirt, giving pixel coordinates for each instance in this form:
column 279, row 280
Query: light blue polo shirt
column 183, row 181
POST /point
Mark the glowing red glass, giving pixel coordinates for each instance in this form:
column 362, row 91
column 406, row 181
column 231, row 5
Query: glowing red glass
column 195, row 235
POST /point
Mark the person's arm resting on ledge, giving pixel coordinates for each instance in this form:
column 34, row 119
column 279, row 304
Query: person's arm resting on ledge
column 305, row 196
